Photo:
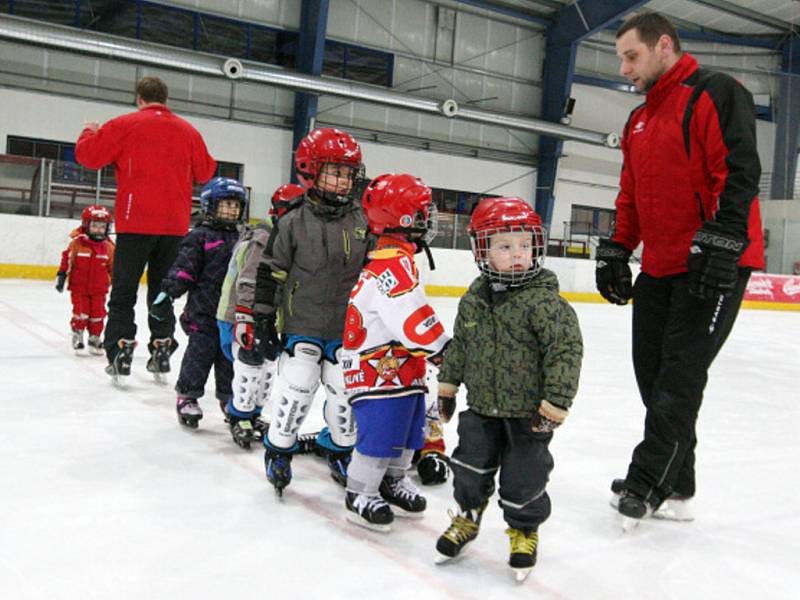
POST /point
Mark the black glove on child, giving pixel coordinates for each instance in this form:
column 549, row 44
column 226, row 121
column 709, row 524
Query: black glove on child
column 612, row 273
column 61, row 277
column 269, row 344
column 713, row 261
column 447, row 407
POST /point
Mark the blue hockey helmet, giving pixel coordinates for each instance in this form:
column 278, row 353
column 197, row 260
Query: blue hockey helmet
column 222, row 188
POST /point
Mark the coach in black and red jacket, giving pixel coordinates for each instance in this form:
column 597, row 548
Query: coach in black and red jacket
column 688, row 192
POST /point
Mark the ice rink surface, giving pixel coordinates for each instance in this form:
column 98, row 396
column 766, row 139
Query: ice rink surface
column 103, row 495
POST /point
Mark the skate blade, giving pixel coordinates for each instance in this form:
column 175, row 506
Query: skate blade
column 161, row 378
column 96, row 351
column 521, row 575
column 244, row 444
column 404, row 514
column 189, row 424
column 669, row 515
column 614, row 501
column 357, row 519
column 443, row 558
column 629, row 524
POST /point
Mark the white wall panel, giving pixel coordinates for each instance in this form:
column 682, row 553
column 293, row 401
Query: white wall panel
column 342, row 15
column 472, row 33
column 502, row 51
column 414, row 26
column 374, row 22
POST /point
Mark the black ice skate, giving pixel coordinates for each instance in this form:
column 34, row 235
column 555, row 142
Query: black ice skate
column 95, row 345
column 158, row 363
column 261, row 427
column 242, row 431
column 120, row 365
column 371, row 512
column 522, row 556
column 404, row 496
column 77, row 340
column 279, row 469
column 433, row 468
column 463, row 529
column 338, row 463
column 307, row 443
column 633, row 509
column 189, row 412
column 674, row 508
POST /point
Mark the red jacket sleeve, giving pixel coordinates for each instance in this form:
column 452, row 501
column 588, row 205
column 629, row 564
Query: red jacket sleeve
column 727, row 127
column 626, row 229
column 65, row 255
column 203, row 166
column 101, row 148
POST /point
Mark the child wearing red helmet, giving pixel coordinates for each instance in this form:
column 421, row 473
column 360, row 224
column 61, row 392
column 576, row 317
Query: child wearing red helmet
column 517, row 348
column 391, row 330
column 87, row 264
column 309, row 266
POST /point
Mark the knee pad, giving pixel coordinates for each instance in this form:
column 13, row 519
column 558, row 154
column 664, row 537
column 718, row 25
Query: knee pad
column 268, row 370
column 298, row 375
column 338, row 413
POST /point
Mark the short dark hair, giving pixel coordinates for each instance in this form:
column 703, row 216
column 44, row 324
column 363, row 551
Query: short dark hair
column 152, row 89
column 651, row 26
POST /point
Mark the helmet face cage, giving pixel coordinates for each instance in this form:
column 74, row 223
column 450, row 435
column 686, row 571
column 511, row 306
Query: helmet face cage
column 355, row 174
column 427, row 224
column 224, row 219
column 96, row 214
column 216, row 190
column 327, row 146
column 482, row 241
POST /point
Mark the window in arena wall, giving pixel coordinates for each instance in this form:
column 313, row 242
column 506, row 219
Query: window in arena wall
column 590, row 220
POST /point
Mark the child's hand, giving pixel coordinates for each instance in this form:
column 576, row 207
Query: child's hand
column 548, row 418
column 161, row 308
column 60, row 279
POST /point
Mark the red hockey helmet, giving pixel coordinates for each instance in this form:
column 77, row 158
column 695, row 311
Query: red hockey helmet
column 323, row 146
column 400, row 203
column 285, row 198
column 495, row 216
column 98, row 214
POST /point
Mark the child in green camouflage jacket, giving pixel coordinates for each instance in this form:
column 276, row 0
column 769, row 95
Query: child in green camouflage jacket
column 517, row 348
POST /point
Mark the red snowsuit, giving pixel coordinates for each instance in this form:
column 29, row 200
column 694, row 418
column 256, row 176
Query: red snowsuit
column 88, row 266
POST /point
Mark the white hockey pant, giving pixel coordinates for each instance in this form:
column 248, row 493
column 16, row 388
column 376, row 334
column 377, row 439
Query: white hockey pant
column 298, row 380
column 252, row 384
column 338, row 412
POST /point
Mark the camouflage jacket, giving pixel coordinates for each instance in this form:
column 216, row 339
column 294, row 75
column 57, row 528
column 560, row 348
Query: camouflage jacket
column 514, row 349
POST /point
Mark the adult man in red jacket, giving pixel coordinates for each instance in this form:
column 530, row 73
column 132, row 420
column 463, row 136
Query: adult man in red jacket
column 156, row 157
column 688, row 192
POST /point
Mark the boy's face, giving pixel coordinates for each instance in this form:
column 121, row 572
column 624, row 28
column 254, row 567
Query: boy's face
column 511, row 251
column 336, row 179
column 98, row 228
column 228, row 210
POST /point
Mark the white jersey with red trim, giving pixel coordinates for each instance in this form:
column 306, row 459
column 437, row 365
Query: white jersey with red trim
column 391, row 328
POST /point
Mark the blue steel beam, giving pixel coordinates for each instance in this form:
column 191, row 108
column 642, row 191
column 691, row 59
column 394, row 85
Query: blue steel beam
column 572, row 24
column 310, row 52
column 787, row 122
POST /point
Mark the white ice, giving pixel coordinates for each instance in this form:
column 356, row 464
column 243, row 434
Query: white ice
column 103, row 495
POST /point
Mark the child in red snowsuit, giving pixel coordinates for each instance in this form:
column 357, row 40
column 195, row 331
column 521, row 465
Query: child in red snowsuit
column 88, row 262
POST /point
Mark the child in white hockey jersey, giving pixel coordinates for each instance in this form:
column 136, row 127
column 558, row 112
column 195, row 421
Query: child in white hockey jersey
column 390, row 331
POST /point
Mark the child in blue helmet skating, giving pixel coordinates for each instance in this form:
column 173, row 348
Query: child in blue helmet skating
column 200, row 270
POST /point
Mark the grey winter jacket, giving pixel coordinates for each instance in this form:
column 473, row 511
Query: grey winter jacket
column 316, row 253
column 239, row 286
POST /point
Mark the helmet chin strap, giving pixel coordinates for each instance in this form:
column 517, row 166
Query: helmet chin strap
column 415, row 235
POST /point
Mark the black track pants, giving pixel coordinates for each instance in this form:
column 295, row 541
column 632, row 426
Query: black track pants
column 675, row 339
column 135, row 251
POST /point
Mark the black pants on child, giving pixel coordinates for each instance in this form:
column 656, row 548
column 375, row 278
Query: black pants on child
column 135, row 251
column 203, row 352
column 489, row 444
column 675, row 339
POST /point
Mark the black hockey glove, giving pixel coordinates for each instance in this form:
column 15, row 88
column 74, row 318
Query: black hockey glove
column 61, row 277
column 713, row 261
column 269, row 344
column 548, row 417
column 433, row 468
column 612, row 273
column 161, row 309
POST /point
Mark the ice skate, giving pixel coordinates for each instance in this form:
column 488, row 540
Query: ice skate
column 675, row 508
column 404, row 496
column 189, row 412
column 633, row 509
column 120, row 366
column 95, row 345
column 242, row 431
column 260, row 426
column 337, row 463
column 522, row 556
column 463, row 529
column 617, row 487
column 371, row 512
column 77, row 340
column 279, row 469
column 307, row 443
column 158, row 363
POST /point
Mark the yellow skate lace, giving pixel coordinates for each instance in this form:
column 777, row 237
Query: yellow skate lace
column 520, row 543
column 461, row 529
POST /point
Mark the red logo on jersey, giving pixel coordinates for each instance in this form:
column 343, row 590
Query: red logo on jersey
column 431, row 327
